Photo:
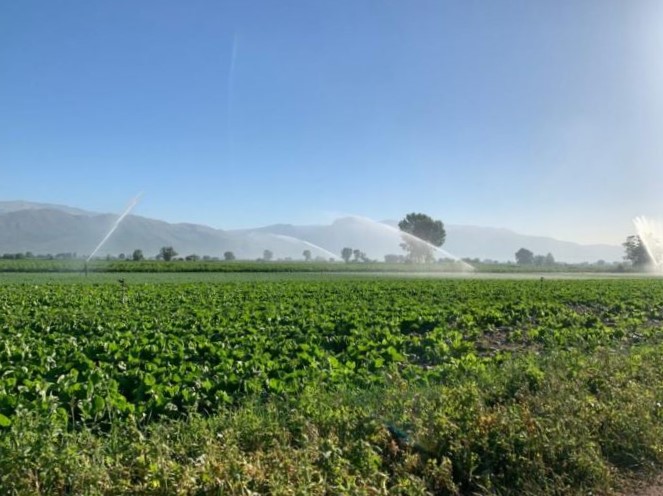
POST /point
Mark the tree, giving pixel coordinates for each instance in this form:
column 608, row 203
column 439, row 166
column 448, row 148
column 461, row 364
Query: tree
column 167, row 253
column 359, row 256
column 267, row 255
column 137, row 255
column 424, row 227
column 550, row 260
column 228, row 256
column 636, row 252
column 192, row 258
column 423, row 232
column 524, row 257
column 307, row 255
column 346, row 253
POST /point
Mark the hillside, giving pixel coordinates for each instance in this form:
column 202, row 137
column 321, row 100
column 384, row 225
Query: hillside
column 44, row 228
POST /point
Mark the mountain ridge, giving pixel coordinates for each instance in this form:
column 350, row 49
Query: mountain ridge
column 50, row 228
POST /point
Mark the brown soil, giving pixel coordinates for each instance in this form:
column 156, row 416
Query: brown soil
column 652, row 488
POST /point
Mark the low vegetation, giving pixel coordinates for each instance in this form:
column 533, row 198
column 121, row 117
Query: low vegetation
column 329, row 387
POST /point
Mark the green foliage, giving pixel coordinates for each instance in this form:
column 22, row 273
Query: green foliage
column 227, row 265
column 424, row 227
column 636, row 253
column 167, row 253
column 423, row 231
column 524, row 257
column 137, row 255
column 336, row 386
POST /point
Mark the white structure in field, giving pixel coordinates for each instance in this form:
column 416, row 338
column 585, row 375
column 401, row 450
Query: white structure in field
column 651, row 235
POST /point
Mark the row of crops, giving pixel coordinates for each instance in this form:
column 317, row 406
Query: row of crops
column 167, row 349
column 261, row 266
column 197, row 266
column 99, row 356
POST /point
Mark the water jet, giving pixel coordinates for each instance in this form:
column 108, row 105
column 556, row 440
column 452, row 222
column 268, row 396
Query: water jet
column 115, row 225
column 651, row 236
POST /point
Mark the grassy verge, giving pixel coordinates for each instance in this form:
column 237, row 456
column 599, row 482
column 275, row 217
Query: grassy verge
column 569, row 422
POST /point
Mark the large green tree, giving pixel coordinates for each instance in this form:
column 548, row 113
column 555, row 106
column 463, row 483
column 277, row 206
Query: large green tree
column 422, row 232
column 636, row 252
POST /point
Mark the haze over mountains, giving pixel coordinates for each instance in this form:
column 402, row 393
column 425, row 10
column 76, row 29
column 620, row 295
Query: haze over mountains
column 46, row 228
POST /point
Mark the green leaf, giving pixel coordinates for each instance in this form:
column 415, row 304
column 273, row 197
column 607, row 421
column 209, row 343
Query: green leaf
column 98, row 404
column 5, row 421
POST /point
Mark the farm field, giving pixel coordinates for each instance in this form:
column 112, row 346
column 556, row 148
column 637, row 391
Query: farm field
column 77, row 266
column 322, row 384
column 179, row 277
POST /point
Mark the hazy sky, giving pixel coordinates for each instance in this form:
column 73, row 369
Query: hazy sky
column 543, row 117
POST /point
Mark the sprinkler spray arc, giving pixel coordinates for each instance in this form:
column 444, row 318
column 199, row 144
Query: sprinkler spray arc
column 115, row 225
column 651, row 236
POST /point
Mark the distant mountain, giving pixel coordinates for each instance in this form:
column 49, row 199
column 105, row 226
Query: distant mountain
column 14, row 206
column 44, row 228
column 502, row 244
column 377, row 240
column 61, row 230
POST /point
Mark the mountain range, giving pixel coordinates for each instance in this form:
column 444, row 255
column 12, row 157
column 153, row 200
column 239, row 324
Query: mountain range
column 46, row 228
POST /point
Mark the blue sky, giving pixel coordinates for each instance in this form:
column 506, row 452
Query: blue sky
column 543, row 117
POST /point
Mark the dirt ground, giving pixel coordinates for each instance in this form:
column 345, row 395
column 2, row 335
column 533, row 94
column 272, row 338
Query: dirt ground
column 653, row 488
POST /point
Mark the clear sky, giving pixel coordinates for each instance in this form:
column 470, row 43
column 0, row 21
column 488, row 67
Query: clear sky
column 545, row 117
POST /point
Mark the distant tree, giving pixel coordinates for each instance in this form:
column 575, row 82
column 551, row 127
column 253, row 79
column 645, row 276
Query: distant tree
column 524, row 257
column 228, row 256
column 167, row 253
column 307, row 255
column 267, row 255
column 390, row 258
column 346, row 253
column 137, row 255
column 192, row 258
column 357, row 254
column 636, row 252
column 421, row 227
column 121, row 256
column 550, row 260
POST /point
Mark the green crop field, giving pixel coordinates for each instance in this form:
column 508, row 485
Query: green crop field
column 328, row 384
